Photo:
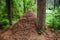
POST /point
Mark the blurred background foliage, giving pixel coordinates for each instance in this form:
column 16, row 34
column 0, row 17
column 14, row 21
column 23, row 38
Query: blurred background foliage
column 53, row 19
column 53, row 14
column 17, row 9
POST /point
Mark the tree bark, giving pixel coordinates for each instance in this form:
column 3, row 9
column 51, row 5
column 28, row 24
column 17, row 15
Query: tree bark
column 24, row 6
column 8, row 4
column 41, row 10
column 54, row 4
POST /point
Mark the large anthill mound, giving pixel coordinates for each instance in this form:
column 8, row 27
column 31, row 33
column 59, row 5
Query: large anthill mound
column 25, row 29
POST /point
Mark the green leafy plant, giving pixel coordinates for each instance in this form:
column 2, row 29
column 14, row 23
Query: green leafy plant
column 17, row 10
column 53, row 19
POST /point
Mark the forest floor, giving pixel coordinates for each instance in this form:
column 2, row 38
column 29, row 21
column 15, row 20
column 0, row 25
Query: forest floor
column 25, row 29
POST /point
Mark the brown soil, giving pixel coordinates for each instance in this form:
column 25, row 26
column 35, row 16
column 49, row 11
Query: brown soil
column 25, row 29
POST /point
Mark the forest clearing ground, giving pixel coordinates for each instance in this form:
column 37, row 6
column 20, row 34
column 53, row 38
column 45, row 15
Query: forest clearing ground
column 25, row 29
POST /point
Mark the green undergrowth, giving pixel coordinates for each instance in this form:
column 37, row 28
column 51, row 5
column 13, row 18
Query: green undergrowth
column 53, row 19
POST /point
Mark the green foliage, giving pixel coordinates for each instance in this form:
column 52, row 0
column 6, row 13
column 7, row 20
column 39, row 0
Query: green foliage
column 3, row 15
column 4, row 23
column 30, row 4
column 53, row 19
column 17, row 10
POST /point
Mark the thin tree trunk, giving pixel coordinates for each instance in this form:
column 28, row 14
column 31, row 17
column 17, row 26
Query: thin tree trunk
column 8, row 4
column 59, row 2
column 41, row 8
column 54, row 4
column 24, row 6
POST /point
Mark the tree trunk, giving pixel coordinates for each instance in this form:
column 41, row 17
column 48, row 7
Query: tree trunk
column 54, row 4
column 59, row 2
column 41, row 9
column 24, row 6
column 8, row 4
